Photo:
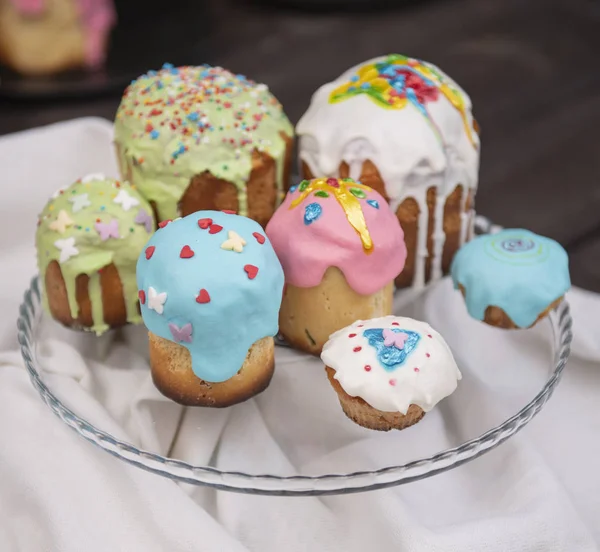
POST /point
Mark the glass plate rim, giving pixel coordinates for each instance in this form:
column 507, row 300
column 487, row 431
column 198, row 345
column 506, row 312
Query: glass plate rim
column 297, row 485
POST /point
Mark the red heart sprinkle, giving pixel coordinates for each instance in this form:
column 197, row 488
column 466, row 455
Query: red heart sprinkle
column 164, row 223
column 333, row 182
column 203, row 297
column 357, row 349
column 251, row 270
column 186, row 252
column 228, row 212
column 150, row 251
column 259, row 237
column 204, row 223
column 352, row 335
column 142, row 296
column 367, row 368
column 214, row 229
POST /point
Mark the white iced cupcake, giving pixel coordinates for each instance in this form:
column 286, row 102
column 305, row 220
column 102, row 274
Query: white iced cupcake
column 388, row 372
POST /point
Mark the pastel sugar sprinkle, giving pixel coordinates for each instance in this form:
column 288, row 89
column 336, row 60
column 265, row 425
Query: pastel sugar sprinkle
column 373, row 203
column 312, row 212
column 357, row 192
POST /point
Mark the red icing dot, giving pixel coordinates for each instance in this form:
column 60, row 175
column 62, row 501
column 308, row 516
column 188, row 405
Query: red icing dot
column 395, row 324
column 150, row 251
column 416, row 369
column 204, row 223
column 392, row 382
column 251, row 271
column 229, row 212
column 164, row 223
column 352, row 335
column 203, row 297
column 214, row 229
column 142, row 296
column 186, row 252
column 427, row 355
column 357, row 349
column 333, row 182
column 367, row 368
column 259, row 237
column 360, row 326
column 429, row 335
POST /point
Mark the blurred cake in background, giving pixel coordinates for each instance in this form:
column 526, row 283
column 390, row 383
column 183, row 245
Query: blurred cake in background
column 202, row 138
column 48, row 36
column 404, row 128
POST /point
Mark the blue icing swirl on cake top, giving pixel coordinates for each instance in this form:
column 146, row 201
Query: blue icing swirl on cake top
column 516, row 270
column 392, row 356
column 212, row 283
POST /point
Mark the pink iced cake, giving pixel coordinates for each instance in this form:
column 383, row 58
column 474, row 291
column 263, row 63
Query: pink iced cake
column 341, row 247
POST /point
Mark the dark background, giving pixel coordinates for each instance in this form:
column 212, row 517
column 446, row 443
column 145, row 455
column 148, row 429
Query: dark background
column 532, row 68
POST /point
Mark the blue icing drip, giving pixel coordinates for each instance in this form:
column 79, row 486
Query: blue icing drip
column 240, row 311
column 373, row 203
column 312, row 212
column 515, row 270
column 391, row 357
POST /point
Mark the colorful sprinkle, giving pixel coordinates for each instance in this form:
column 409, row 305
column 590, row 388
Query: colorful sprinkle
column 108, row 229
column 203, row 297
column 183, row 334
column 142, row 296
column 214, row 229
column 357, row 192
column 321, row 193
column 229, row 212
column 163, row 223
column 393, row 382
column 312, row 212
column 416, row 369
column 205, row 223
column 373, row 203
column 156, row 300
column 251, row 271
column 357, row 349
column 259, row 237
column 367, row 368
column 150, row 251
column 144, row 218
column 234, row 242
column 352, row 335
column 186, row 252
column 303, row 185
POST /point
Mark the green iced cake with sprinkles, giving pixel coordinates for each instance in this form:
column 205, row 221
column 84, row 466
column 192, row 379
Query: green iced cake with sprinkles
column 178, row 122
column 92, row 224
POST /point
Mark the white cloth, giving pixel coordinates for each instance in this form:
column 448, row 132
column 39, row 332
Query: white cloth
column 540, row 491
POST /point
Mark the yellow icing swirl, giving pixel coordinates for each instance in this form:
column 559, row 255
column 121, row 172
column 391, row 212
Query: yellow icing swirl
column 345, row 191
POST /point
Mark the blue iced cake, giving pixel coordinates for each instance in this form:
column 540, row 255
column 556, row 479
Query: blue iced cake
column 511, row 279
column 210, row 288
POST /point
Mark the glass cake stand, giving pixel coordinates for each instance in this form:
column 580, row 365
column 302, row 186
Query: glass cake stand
column 559, row 323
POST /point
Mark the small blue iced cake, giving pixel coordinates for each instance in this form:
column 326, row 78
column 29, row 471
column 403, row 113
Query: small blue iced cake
column 210, row 288
column 511, row 279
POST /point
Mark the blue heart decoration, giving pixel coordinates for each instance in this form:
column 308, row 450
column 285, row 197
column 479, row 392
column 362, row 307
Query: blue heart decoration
column 391, row 357
column 312, row 212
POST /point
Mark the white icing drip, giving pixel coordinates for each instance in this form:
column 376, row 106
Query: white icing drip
column 403, row 147
column 435, row 378
column 438, row 236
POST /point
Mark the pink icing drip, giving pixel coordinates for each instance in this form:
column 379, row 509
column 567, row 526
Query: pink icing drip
column 97, row 17
column 307, row 251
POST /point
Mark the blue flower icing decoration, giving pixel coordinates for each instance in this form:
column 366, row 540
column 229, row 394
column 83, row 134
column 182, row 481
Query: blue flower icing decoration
column 391, row 357
column 312, row 212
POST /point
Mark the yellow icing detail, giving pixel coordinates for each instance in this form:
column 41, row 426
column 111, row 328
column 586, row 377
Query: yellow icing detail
column 348, row 202
column 381, row 91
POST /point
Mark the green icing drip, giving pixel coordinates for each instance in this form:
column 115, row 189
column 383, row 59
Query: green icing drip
column 176, row 123
column 80, row 216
